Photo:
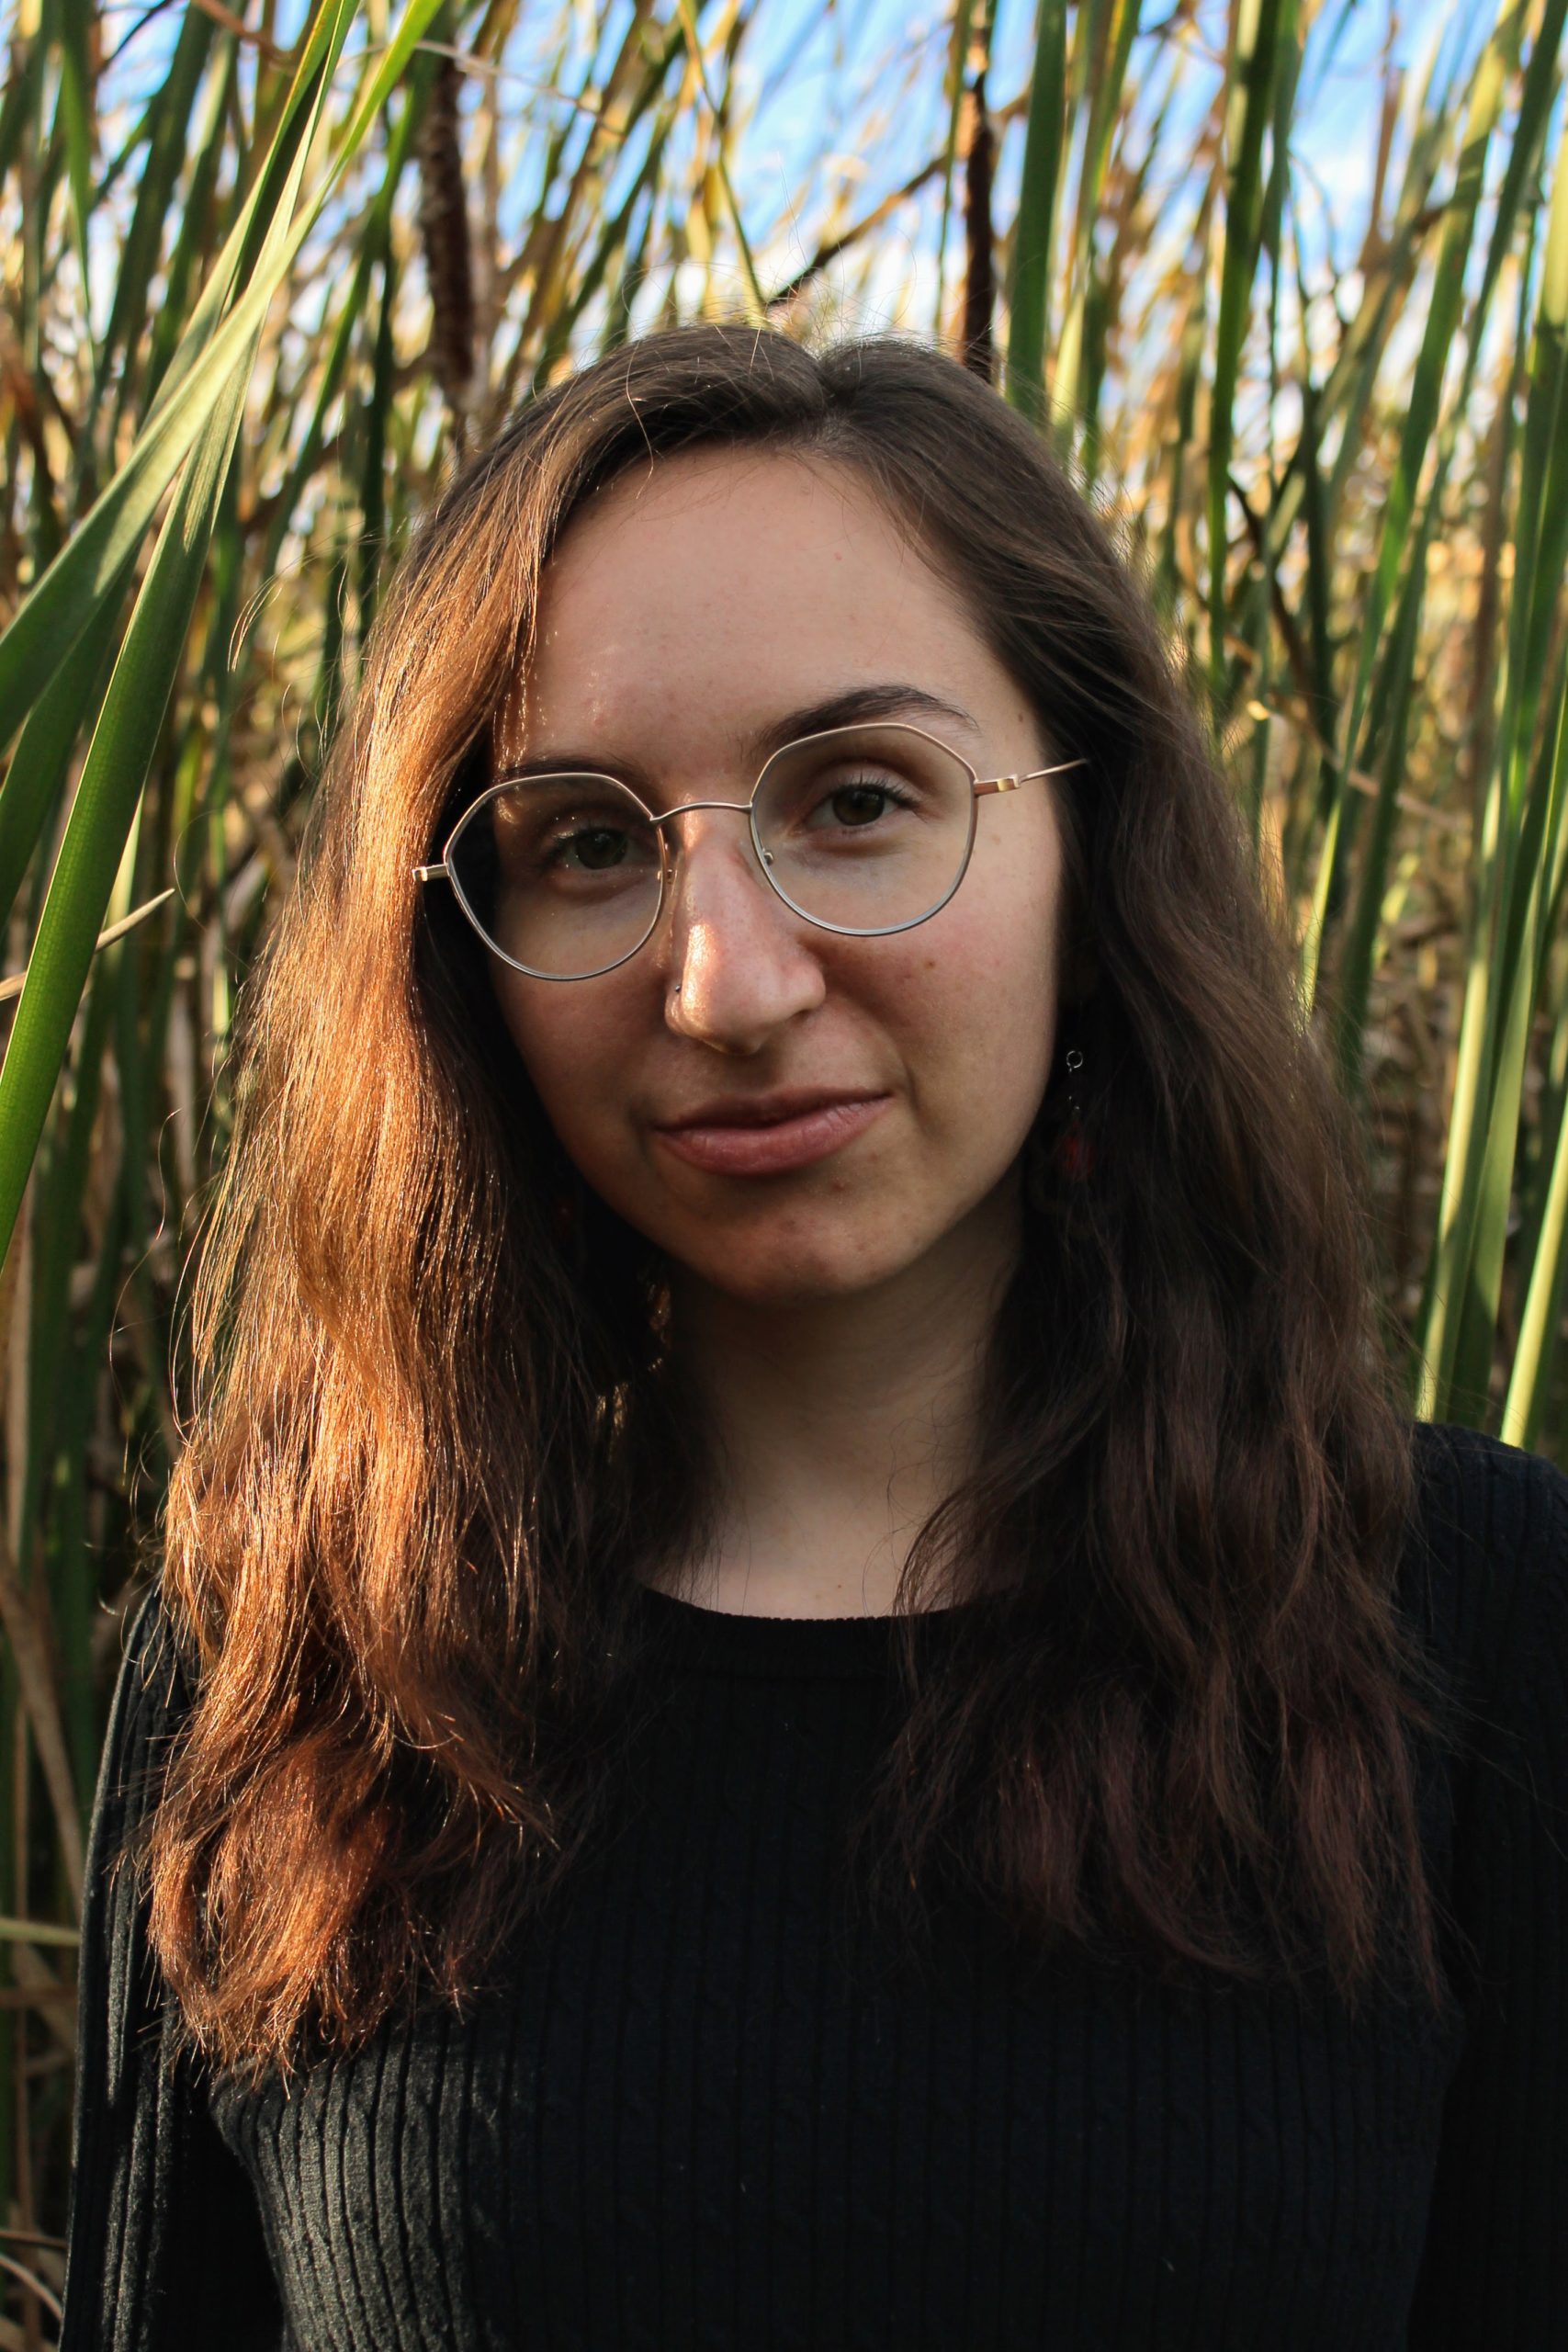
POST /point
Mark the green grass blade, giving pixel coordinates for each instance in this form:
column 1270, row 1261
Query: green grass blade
column 73, row 590
column 65, row 600
column 757, row 301
column 1029, row 288
column 1421, row 416
column 1107, row 29
column 958, row 51
column 168, row 131
column 38, row 764
column 1264, row 29
column 1516, row 856
column 116, row 764
column 74, row 115
column 1540, row 1324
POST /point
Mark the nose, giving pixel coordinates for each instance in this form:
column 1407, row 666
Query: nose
column 740, row 956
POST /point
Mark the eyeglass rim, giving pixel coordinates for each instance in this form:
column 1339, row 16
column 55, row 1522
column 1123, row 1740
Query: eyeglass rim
column 441, row 868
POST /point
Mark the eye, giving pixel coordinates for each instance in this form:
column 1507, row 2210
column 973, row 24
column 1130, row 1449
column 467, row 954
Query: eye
column 598, row 846
column 858, row 802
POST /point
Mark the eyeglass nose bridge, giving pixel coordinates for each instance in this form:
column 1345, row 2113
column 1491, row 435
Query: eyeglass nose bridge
column 746, row 808
column 664, row 815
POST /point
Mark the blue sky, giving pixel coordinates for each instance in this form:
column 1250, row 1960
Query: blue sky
column 857, row 86
column 833, row 55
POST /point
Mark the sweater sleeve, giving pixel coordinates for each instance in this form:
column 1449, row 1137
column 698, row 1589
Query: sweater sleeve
column 165, row 2249
column 1494, row 2274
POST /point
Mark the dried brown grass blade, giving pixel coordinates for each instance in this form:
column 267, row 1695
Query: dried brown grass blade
column 31, row 1651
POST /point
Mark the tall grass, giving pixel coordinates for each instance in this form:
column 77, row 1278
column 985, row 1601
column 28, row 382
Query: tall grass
column 262, row 281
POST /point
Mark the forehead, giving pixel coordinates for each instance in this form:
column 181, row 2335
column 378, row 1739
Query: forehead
column 710, row 593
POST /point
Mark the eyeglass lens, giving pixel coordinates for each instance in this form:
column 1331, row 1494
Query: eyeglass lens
column 864, row 829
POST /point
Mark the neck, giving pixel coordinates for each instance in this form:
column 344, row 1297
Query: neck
column 840, row 1421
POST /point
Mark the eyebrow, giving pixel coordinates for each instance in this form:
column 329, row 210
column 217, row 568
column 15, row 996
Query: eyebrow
column 855, row 706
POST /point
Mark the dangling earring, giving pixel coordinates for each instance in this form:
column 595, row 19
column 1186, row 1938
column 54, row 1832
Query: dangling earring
column 1064, row 1157
column 1075, row 1153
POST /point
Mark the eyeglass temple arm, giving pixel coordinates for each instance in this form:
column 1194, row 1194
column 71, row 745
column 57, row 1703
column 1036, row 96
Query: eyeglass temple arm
column 1012, row 783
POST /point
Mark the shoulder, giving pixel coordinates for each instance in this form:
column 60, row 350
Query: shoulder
column 1484, row 1575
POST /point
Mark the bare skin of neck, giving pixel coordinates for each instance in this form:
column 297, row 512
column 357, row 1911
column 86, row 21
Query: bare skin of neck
column 843, row 1423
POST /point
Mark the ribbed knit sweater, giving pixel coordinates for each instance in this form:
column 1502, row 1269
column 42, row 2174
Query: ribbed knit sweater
column 683, row 2124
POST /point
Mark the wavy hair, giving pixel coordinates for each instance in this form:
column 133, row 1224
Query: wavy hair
column 429, row 1439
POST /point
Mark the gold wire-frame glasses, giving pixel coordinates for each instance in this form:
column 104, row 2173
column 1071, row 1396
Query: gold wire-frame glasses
column 443, row 868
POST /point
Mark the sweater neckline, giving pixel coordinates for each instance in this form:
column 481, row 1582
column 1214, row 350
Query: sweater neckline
column 718, row 1639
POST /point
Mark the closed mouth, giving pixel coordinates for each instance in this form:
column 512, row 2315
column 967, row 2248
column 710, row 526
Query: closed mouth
column 735, row 1114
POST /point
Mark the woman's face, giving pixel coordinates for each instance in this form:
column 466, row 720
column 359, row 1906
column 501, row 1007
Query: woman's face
column 688, row 608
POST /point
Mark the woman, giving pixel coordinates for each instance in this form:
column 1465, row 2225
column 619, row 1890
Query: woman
column 805, row 1688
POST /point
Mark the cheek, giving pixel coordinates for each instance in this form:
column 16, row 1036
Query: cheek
column 974, row 1013
column 574, row 1054
column 984, row 1001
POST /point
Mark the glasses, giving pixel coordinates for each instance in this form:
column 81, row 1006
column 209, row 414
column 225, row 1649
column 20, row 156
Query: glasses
column 861, row 830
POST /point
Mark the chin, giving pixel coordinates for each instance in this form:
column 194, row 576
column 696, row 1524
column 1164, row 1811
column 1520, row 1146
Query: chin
column 792, row 1270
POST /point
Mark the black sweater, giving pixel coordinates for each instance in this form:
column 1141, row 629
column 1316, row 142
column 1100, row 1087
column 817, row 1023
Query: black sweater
column 685, row 2125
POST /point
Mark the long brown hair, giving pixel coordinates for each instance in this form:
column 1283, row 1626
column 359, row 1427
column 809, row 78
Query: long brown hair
column 431, row 1439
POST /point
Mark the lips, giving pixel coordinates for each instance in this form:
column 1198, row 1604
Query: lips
column 766, row 1110
column 765, row 1147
